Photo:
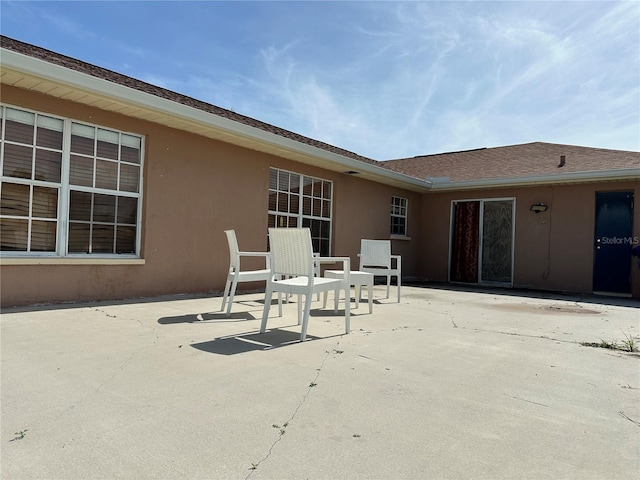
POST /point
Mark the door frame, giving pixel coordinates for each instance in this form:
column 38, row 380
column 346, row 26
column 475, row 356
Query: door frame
column 480, row 233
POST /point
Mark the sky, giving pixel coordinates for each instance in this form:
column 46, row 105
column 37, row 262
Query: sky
column 382, row 79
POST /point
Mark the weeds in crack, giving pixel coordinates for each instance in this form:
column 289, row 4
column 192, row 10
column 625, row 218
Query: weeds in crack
column 629, row 344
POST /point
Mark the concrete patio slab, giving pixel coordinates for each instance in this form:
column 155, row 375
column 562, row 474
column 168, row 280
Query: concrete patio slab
column 447, row 384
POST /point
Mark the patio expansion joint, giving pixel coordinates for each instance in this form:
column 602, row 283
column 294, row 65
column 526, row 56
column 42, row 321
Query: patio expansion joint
column 287, row 423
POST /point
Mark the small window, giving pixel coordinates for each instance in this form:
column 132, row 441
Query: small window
column 398, row 216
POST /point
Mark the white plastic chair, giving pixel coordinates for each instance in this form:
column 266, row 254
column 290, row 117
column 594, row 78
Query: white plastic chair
column 375, row 257
column 236, row 275
column 294, row 266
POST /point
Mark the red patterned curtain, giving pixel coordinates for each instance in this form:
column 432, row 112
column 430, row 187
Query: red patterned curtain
column 466, row 238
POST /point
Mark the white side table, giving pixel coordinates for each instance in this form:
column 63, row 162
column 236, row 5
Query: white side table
column 358, row 279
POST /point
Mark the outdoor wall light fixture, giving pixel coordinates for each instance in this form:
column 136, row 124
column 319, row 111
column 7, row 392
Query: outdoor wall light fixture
column 539, row 207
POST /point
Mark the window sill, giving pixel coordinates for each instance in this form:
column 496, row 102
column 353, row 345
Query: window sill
column 399, row 237
column 69, row 261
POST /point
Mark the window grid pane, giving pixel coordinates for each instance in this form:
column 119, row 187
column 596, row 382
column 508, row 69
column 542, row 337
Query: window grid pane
column 43, row 236
column 17, row 161
column 21, row 131
column 15, row 234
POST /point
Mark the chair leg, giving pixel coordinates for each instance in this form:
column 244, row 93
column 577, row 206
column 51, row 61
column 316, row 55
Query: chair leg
column 357, row 292
column 336, row 299
column 370, row 297
column 234, row 285
column 399, row 286
column 388, row 285
column 299, row 309
column 324, row 301
column 226, row 294
column 305, row 318
column 267, row 306
column 347, row 309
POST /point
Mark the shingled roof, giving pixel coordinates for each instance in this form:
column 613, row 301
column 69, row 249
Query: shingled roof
column 118, row 78
column 524, row 160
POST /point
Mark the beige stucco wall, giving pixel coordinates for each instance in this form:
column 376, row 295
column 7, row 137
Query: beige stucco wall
column 553, row 250
column 194, row 189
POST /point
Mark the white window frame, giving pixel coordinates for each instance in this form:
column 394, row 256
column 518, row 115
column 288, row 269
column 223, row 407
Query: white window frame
column 300, row 216
column 399, row 209
column 64, row 188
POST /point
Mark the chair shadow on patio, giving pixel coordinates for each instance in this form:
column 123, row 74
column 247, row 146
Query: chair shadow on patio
column 220, row 316
column 251, row 341
column 217, row 317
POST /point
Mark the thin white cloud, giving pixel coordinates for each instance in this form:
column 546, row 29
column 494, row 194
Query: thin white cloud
column 394, row 79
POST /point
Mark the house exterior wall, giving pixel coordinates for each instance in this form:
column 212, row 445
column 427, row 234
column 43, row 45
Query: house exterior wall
column 194, row 188
column 553, row 250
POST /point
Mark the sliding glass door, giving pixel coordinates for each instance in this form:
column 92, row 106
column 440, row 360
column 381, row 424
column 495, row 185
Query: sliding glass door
column 481, row 247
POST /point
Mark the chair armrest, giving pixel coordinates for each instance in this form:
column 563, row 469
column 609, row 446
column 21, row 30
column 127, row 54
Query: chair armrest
column 333, row 260
column 398, row 260
column 267, row 256
column 346, row 265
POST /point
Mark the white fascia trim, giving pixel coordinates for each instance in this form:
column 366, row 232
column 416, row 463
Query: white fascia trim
column 627, row 174
column 83, row 81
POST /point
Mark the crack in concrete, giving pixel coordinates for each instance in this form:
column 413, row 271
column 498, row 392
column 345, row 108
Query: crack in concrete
column 137, row 320
column 312, row 384
column 543, row 337
column 105, row 313
column 530, row 401
column 125, row 363
column 450, row 316
column 622, row 414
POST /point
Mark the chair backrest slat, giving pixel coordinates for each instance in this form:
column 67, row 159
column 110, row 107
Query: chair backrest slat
column 291, row 251
column 375, row 253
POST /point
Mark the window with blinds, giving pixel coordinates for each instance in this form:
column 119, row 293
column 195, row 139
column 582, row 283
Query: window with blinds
column 297, row 200
column 398, row 216
column 67, row 188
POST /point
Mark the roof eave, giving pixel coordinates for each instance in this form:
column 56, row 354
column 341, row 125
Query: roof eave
column 629, row 174
column 303, row 152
